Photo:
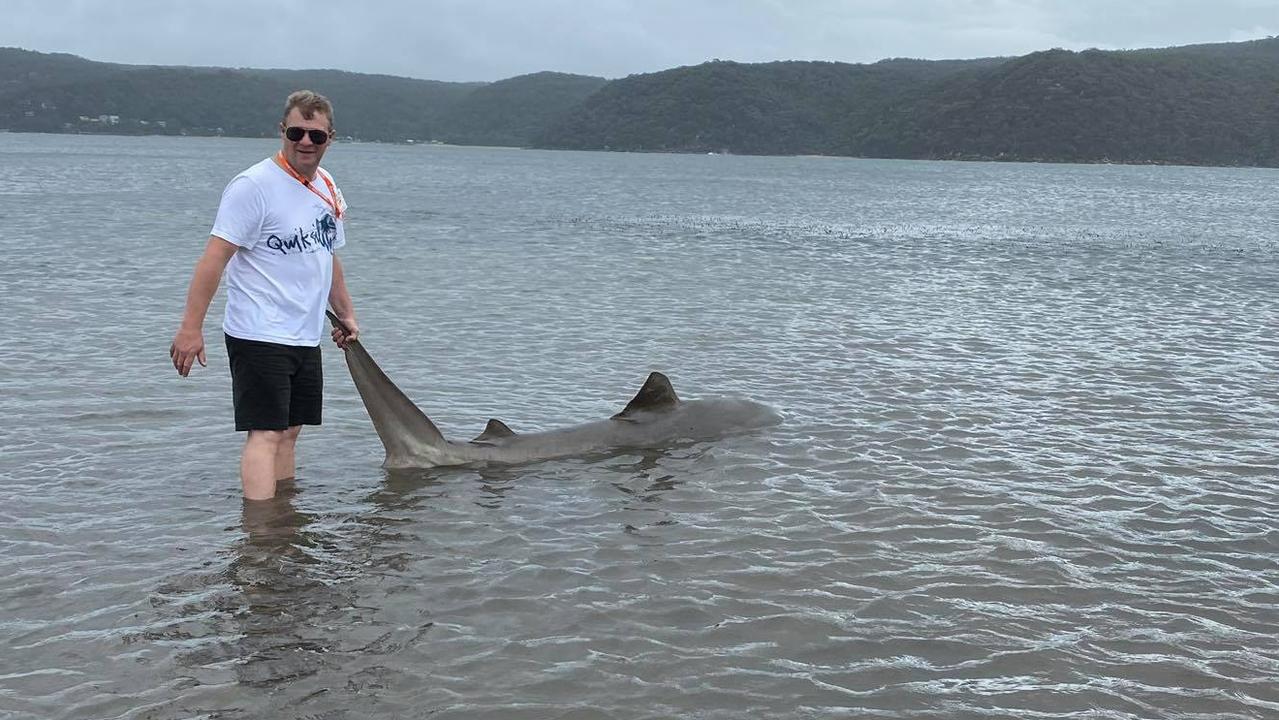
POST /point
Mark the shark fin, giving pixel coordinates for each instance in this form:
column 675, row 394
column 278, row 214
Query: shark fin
column 495, row 430
column 400, row 424
column 333, row 319
column 657, row 395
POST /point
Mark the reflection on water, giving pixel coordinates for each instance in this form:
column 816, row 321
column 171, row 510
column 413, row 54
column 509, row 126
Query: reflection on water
column 285, row 608
column 405, row 489
column 284, row 602
column 648, row 478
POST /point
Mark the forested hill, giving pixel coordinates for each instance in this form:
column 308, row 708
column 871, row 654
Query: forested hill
column 515, row 111
column 781, row 108
column 1206, row 104
column 1216, row 105
column 61, row 93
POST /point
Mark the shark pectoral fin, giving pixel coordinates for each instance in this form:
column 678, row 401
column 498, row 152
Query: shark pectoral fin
column 495, row 430
column 657, row 395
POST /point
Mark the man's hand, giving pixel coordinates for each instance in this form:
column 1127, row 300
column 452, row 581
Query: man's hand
column 188, row 344
column 346, row 331
column 187, row 347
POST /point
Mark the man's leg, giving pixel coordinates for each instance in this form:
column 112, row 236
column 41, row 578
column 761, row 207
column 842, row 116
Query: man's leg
column 258, row 462
column 284, row 457
column 262, row 375
column 306, row 396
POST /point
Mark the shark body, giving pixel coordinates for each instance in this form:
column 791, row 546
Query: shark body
column 655, row 417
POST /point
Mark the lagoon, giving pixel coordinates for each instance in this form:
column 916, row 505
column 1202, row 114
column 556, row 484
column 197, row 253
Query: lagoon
column 1026, row 467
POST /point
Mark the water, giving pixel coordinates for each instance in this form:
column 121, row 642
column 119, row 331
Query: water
column 1026, row 468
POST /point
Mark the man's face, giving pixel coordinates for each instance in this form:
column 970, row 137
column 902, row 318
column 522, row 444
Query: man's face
column 303, row 154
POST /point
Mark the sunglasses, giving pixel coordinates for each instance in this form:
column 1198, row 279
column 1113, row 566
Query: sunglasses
column 318, row 137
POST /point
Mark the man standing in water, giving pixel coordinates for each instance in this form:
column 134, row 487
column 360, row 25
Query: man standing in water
column 277, row 230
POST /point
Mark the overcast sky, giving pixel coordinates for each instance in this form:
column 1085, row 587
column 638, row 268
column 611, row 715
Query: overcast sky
column 495, row 39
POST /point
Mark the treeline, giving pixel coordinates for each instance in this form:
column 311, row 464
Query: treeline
column 62, row 93
column 1206, row 104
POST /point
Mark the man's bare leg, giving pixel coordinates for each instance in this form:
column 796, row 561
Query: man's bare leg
column 284, row 455
column 258, row 463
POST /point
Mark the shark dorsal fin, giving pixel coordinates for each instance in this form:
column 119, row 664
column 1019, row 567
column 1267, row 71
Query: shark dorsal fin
column 495, row 430
column 657, row 395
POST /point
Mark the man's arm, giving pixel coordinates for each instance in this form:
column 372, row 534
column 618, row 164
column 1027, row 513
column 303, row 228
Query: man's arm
column 188, row 343
column 340, row 301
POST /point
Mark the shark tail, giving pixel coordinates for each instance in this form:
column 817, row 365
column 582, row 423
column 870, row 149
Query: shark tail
column 400, row 424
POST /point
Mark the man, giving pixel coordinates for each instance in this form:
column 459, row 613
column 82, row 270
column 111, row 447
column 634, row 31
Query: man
column 277, row 229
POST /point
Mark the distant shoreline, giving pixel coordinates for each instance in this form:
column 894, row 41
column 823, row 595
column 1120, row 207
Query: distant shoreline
column 972, row 159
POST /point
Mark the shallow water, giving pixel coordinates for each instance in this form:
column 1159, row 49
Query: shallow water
column 1026, row 467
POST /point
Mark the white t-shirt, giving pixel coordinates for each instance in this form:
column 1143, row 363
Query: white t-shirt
column 278, row 281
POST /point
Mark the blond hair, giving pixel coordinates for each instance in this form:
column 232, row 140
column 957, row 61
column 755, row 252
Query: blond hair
column 309, row 103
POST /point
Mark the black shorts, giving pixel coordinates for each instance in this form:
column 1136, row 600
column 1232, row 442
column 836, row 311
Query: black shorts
column 274, row 387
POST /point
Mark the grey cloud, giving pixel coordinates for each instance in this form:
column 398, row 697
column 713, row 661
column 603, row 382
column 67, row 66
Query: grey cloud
column 493, row 39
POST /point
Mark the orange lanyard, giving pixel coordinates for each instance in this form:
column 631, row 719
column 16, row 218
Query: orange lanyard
column 331, row 201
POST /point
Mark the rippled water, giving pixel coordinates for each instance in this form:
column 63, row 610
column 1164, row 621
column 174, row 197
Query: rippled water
column 1027, row 466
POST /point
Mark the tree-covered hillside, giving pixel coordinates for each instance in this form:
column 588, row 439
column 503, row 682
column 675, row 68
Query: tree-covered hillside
column 1208, row 104
column 517, row 110
column 63, row 93
column 781, row 108
column 1202, row 104
column 1190, row 107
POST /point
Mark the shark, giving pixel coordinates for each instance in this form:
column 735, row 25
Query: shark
column 655, row 417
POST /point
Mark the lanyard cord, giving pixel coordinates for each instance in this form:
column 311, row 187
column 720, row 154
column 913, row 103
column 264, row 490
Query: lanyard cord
column 331, row 201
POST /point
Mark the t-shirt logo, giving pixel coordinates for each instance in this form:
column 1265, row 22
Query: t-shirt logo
column 306, row 241
column 326, row 228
